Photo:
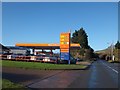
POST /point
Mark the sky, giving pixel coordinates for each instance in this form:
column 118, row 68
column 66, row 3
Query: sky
column 42, row 22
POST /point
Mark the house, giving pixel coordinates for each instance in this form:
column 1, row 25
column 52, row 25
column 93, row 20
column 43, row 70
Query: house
column 18, row 50
column 4, row 49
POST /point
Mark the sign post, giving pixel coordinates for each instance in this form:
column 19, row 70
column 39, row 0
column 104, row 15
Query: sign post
column 65, row 46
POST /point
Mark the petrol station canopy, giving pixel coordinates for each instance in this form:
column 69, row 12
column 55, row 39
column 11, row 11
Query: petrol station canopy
column 45, row 46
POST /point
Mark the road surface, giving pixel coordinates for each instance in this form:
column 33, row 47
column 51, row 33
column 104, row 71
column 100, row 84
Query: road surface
column 101, row 74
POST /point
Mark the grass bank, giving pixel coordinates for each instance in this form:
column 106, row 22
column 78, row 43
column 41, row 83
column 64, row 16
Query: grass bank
column 6, row 84
column 40, row 66
column 111, row 61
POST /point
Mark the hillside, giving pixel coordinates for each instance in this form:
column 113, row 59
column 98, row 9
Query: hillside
column 104, row 51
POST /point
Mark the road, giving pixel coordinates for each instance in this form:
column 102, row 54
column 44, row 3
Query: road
column 101, row 74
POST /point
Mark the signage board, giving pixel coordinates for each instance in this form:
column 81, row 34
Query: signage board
column 64, row 50
column 65, row 40
column 65, row 56
column 65, row 46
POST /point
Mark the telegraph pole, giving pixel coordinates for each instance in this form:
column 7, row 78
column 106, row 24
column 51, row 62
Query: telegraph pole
column 110, row 52
column 112, row 47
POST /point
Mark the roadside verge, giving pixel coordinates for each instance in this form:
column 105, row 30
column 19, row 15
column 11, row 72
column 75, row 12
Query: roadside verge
column 44, row 66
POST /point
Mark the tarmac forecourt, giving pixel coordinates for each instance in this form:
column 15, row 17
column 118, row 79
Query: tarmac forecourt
column 43, row 66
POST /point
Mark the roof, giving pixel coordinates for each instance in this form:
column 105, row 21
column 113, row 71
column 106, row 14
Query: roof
column 3, row 47
column 16, row 47
column 44, row 46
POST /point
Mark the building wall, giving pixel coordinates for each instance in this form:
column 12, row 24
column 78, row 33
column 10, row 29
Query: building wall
column 17, row 51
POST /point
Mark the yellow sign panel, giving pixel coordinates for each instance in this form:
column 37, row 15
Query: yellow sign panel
column 62, row 36
column 61, row 42
column 65, row 40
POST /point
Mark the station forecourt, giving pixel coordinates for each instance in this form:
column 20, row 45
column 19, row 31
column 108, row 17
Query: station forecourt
column 64, row 46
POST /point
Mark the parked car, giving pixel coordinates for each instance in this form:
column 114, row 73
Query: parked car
column 50, row 59
column 40, row 57
column 17, row 56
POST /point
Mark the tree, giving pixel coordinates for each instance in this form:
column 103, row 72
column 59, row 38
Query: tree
column 117, row 55
column 117, row 45
column 80, row 37
column 89, row 53
column 117, row 51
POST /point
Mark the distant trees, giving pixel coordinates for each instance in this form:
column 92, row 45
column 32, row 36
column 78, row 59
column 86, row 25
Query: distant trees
column 109, row 52
column 117, row 45
column 86, row 52
column 117, row 51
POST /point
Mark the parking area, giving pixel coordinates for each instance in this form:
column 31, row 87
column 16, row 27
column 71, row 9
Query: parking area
column 30, row 58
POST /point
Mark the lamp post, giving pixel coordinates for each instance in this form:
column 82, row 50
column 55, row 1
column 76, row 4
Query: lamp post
column 112, row 48
column 111, row 51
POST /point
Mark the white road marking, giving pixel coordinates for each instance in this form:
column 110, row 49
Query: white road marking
column 110, row 68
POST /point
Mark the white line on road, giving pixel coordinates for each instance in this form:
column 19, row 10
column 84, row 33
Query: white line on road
column 110, row 68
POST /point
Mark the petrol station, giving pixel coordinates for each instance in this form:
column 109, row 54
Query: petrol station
column 64, row 46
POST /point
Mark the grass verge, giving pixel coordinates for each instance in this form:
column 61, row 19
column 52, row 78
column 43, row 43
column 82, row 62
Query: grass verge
column 41, row 66
column 6, row 84
column 111, row 61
